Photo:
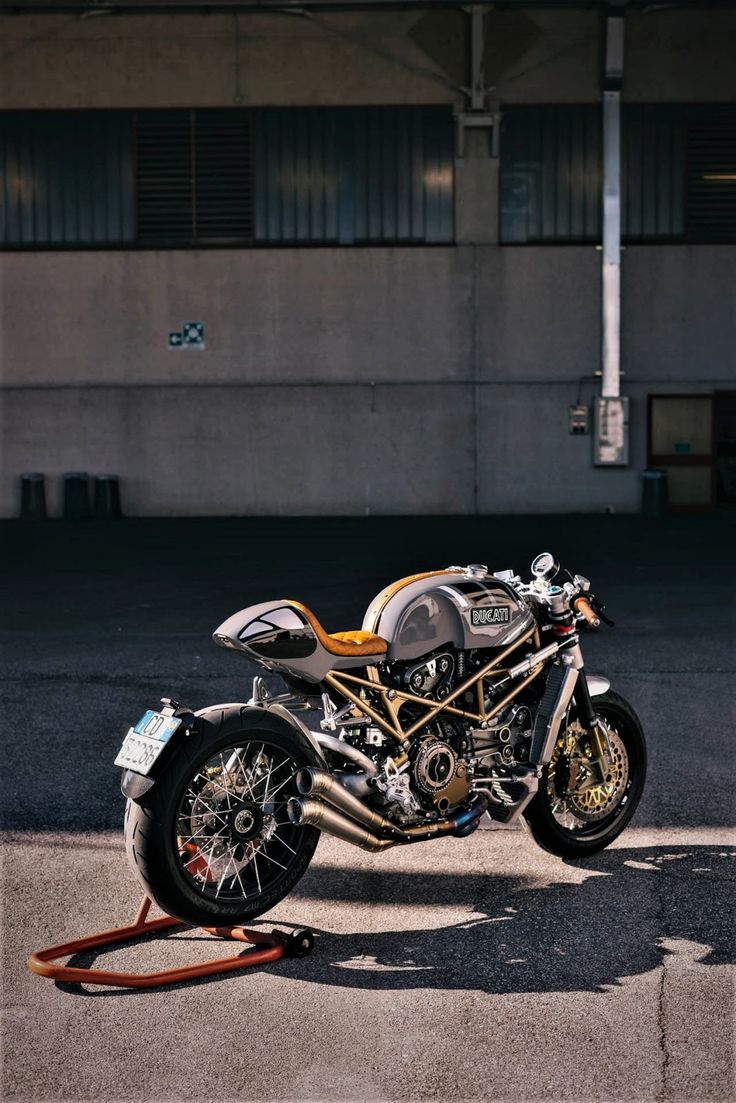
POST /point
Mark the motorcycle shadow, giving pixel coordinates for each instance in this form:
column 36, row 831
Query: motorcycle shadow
column 562, row 937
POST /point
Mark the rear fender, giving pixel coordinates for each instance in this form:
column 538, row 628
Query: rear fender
column 134, row 786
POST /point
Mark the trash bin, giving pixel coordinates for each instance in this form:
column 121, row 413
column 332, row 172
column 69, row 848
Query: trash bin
column 654, row 495
column 107, row 497
column 33, row 496
column 76, row 496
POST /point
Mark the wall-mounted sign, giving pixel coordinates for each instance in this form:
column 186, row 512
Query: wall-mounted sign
column 193, row 334
column 190, row 336
column 611, row 437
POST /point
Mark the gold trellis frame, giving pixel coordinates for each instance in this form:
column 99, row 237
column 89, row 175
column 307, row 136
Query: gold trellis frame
column 392, row 699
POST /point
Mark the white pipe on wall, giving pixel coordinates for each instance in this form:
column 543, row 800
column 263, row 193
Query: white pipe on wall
column 611, row 274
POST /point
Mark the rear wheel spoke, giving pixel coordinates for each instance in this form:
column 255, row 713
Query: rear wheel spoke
column 281, row 842
column 255, row 870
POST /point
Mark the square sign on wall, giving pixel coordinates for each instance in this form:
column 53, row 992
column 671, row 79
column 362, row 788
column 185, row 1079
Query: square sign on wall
column 191, row 336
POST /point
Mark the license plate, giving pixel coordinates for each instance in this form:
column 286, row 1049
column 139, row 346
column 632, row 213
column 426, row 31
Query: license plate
column 144, row 743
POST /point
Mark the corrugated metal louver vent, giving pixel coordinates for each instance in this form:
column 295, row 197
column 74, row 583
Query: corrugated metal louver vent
column 652, row 177
column 551, row 173
column 65, row 177
column 223, row 204
column 678, row 173
column 711, row 173
column 193, row 176
column 164, row 176
column 354, row 174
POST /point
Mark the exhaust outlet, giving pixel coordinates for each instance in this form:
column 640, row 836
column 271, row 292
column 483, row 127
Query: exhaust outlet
column 328, row 805
column 323, row 787
column 326, row 818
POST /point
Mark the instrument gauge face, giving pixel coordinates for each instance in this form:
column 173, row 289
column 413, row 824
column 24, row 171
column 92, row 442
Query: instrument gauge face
column 545, row 565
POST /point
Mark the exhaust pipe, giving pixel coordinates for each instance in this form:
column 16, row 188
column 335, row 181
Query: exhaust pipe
column 328, row 819
column 333, row 809
column 323, row 787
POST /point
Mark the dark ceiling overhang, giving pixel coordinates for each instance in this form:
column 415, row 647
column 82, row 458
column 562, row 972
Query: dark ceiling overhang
column 202, row 7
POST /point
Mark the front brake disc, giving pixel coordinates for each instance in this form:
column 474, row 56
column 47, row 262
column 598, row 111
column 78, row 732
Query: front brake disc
column 570, row 775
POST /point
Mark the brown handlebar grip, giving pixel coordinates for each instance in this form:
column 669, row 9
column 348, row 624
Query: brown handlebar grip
column 582, row 605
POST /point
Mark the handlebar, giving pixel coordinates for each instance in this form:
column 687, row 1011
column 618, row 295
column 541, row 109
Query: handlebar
column 558, row 590
column 583, row 606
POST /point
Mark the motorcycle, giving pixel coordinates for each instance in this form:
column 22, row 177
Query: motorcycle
column 464, row 694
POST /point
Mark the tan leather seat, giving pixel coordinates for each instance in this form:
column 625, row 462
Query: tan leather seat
column 344, row 643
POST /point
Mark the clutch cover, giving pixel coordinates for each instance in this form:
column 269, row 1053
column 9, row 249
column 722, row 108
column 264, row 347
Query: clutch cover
column 440, row 775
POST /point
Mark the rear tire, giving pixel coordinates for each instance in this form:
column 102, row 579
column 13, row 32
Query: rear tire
column 570, row 843
column 181, row 885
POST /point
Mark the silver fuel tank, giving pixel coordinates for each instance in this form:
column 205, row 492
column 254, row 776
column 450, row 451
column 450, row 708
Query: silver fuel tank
column 463, row 607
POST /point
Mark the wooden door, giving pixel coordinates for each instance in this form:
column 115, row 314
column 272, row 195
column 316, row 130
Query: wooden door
column 681, row 442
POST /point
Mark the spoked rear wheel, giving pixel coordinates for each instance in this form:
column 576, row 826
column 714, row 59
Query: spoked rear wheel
column 575, row 812
column 212, row 843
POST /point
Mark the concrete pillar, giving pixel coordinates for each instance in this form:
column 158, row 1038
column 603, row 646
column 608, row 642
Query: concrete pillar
column 476, row 192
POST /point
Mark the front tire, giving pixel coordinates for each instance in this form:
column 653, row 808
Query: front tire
column 567, row 827
column 211, row 843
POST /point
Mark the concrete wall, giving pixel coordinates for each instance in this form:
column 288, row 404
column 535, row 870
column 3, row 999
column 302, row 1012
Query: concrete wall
column 351, row 57
column 383, row 380
column 214, row 60
column 346, row 381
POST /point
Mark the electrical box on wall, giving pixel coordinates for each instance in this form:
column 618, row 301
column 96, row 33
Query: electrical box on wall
column 578, row 421
column 611, row 432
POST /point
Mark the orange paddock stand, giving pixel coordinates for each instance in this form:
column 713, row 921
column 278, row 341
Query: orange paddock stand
column 272, row 947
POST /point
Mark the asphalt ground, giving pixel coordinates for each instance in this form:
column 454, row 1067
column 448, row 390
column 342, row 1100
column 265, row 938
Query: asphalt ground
column 458, row 969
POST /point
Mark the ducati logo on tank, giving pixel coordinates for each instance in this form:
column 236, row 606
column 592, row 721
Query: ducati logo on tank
column 496, row 615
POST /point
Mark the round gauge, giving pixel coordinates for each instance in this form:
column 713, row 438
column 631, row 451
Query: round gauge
column 545, row 566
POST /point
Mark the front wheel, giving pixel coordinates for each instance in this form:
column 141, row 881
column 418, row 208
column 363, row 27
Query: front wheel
column 571, row 815
column 212, row 843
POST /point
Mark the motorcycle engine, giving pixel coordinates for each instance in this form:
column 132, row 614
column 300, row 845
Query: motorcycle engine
column 438, row 776
column 508, row 742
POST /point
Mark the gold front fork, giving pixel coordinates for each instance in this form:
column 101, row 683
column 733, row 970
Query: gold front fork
column 600, row 746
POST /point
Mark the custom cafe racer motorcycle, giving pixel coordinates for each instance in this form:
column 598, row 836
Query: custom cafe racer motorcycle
column 464, row 693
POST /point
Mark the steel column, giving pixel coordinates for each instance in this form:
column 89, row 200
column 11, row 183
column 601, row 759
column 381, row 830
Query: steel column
column 611, row 274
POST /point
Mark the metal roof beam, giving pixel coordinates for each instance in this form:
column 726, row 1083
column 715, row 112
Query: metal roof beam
column 176, row 7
